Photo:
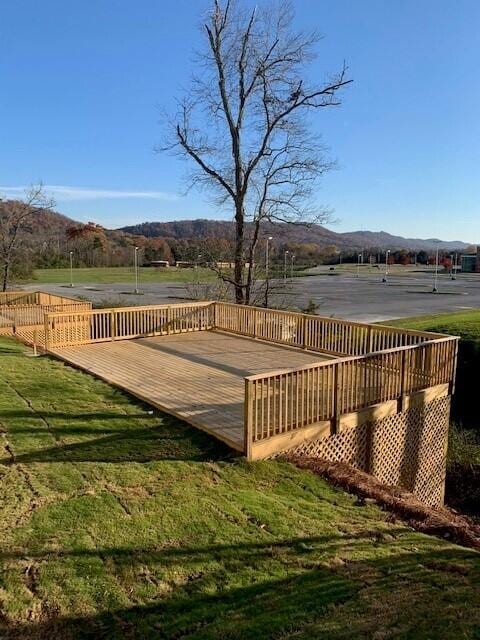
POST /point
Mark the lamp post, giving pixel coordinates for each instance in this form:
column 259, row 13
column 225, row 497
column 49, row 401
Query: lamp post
column 435, row 280
column 136, row 270
column 454, row 267
column 292, row 259
column 358, row 264
column 71, row 268
column 385, row 277
column 285, row 265
column 267, row 258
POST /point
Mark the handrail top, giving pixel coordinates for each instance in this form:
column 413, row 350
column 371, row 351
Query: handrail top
column 334, row 361
column 27, row 292
column 148, row 307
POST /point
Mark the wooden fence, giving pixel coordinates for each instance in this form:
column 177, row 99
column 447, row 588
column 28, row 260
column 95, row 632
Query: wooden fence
column 20, row 309
column 18, row 297
column 103, row 325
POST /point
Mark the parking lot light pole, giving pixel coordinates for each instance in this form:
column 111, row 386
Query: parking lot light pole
column 136, row 270
column 454, row 267
column 285, row 265
column 292, row 259
column 267, row 257
column 385, row 277
column 71, row 268
column 435, row 280
column 358, row 264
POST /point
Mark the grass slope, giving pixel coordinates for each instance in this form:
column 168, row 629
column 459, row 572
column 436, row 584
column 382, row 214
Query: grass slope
column 117, row 523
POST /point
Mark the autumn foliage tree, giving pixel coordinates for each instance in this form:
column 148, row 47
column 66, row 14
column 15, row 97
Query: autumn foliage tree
column 15, row 218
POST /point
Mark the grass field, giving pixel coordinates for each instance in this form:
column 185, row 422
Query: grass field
column 117, row 523
column 112, row 275
column 465, row 324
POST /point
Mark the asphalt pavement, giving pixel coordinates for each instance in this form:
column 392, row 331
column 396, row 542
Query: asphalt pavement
column 365, row 298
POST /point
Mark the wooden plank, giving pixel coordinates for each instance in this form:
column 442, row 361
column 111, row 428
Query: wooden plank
column 284, row 441
column 198, row 377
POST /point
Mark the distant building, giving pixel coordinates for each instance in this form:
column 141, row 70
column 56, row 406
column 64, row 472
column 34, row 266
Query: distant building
column 471, row 262
column 159, row 263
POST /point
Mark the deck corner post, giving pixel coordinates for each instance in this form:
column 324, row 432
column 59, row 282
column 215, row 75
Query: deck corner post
column 454, row 367
column 213, row 315
column 248, row 420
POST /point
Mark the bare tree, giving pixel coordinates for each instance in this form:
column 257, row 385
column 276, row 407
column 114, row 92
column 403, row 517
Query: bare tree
column 244, row 124
column 15, row 216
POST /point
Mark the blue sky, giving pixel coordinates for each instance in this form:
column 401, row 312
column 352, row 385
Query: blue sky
column 82, row 83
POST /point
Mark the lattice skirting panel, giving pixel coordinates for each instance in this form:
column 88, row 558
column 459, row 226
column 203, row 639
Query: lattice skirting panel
column 407, row 449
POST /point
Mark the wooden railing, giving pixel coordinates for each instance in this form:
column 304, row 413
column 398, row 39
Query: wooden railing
column 283, row 401
column 70, row 329
column 29, row 309
column 18, row 297
column 379, row 364
column 316, row 333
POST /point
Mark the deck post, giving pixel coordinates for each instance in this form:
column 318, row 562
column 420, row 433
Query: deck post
column 169, row 315
column 337, row 397
column 248, row 420
column 403, row 385
column 112, row 325
column 370, row 340
column 303, row 330
column 47, row 333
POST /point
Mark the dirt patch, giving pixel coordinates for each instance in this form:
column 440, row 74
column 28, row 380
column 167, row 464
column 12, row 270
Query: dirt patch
column 441, row 522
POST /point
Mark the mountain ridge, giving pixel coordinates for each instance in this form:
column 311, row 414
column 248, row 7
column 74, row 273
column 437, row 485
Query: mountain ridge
column 205, row 228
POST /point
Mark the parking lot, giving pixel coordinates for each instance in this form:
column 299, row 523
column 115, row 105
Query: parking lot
column 339, row 294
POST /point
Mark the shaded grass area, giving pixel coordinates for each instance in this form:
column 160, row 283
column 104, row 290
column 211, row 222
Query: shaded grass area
column 119, row 523
column 113, row 275
column 463, row 473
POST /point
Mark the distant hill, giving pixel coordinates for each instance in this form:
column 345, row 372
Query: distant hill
column 317, row 234
column 50, row 226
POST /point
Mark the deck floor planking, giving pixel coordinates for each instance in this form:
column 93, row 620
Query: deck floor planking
column 196, row 376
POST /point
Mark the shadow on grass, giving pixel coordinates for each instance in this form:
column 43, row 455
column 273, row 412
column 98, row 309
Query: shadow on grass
column 232, row 592
column 170, row 439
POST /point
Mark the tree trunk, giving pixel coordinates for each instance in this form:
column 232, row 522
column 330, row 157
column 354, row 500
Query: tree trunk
column 251, row 262
column 239, row 258
column 6, row 273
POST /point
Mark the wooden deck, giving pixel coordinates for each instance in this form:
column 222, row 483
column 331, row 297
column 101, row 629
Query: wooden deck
column 198, row 377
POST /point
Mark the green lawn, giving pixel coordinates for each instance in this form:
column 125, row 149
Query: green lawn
column 121, row 524
column 465, row 324
column 112, row 275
